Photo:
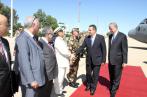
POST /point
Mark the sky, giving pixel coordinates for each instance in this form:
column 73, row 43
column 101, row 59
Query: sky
column 126, row 13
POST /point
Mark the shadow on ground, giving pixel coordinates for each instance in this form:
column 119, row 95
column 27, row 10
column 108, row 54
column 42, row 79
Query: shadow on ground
column 142, row 48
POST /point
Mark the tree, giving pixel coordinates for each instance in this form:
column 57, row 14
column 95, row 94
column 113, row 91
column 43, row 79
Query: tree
column 5, row 10
column 46, row 20
column 41, row 15
column 51, row 21
column 17, row 26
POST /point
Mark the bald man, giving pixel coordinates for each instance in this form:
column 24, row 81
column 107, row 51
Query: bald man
column 5, row 81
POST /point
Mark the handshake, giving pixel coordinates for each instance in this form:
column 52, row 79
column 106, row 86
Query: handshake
column 73, row 58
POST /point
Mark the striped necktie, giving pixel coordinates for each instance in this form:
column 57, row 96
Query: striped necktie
column 2, row 53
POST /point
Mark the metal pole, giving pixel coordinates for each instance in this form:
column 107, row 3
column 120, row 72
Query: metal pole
column 11, row 29
column 79, row 4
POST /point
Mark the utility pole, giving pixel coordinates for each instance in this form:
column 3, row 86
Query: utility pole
column 11, row 29
column 79, row 4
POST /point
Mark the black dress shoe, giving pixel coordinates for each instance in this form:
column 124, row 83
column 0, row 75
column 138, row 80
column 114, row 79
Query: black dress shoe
column 60, row 95
column 87, row 88
column 68, row 77
column 64, row 92
column 92, row 92
column 112, row 94
column 77, row 84
column 73, row 85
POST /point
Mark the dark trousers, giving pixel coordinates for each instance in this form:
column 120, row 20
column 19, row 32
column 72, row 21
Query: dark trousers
column 92, row 75
column 115, row 72
column 45, row 91
column 5, row 85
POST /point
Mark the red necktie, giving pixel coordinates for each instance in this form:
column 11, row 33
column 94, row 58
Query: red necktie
column 50, row 46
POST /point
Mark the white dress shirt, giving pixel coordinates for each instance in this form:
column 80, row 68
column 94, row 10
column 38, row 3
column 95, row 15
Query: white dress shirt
column 92, row 39
column 114, row 36
column 46, row 41
column 29, row 33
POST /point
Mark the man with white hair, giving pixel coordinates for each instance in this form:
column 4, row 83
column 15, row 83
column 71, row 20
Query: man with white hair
column 29, row 57
column 51, row 66
column 117, row 56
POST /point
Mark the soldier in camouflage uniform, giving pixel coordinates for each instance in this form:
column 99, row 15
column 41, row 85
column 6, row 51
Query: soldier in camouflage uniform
column 73, row 44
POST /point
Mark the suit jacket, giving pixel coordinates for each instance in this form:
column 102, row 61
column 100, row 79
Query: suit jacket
column 30, row 59
column 62, row 52
column 5, row 77
column 118, row 50
column 50, row 60
column 95, row 53
column 7, row 48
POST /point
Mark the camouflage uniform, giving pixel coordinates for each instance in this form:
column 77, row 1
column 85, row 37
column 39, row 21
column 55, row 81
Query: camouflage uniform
column 73, row 44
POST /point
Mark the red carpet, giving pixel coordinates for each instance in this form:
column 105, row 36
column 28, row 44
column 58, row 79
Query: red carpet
column 133, row 84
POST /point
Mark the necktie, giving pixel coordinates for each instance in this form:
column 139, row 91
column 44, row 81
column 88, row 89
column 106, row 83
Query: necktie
column 113, row 38
column 35, row 38
column 50, row 46
column 2, row 53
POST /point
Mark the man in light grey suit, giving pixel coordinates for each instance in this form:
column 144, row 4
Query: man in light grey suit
column 51, row 66
column 29, row 57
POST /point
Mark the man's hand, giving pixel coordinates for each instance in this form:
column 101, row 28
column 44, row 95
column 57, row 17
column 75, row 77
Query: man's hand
column 124, row 64
column 72, row 58
column 73, row 55
column 102, row 63
column 14, row 53
column 34, row 85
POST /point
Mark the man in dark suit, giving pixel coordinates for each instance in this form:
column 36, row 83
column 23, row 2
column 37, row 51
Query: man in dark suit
column 5, row 70
column 51, row 66
column 118, row 50
column 96, row 56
